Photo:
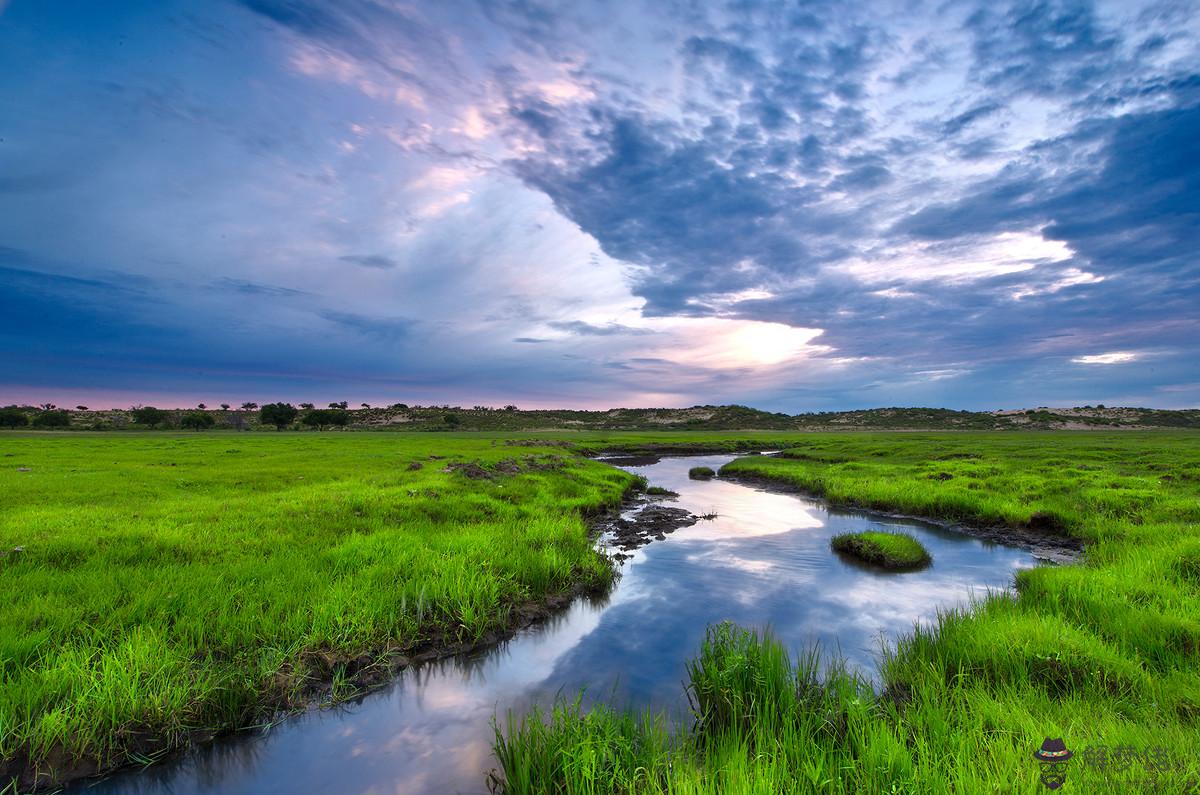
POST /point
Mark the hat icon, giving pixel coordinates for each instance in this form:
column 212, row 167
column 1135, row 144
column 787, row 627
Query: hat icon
column 1052, row 751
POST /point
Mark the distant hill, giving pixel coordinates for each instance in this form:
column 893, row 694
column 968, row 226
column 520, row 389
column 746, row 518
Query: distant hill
column 444, row 418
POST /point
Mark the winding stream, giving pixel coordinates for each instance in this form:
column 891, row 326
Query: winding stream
column 764, row 560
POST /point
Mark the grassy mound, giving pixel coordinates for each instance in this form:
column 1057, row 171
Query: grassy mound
column 701, row 473
column 889, row 550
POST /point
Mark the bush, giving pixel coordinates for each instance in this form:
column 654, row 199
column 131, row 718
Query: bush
column 320, row 418
column 149, row 416
column 280, row 415
column 452, row 420
column 701, row 473
column 197, row 420
column 52, row 419
column 13, row 417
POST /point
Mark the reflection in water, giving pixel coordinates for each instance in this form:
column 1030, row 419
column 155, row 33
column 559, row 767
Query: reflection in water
column 764, row 560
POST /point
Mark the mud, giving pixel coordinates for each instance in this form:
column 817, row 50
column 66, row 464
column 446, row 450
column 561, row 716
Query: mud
column 651, row 522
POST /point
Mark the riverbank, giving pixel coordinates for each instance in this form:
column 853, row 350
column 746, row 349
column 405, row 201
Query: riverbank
column 160, row 590
column 1104, row 654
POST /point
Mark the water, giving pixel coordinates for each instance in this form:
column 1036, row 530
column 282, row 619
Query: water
column 765, row 560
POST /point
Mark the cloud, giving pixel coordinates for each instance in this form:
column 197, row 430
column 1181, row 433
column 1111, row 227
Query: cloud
column 584, row 329
column 391, row 329
column 252, row 288
column 1116, row 357
column 378, row 261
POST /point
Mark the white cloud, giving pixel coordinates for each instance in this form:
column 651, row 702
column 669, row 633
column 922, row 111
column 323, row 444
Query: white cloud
column 1115, row 357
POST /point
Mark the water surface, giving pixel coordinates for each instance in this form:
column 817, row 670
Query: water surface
column 764, row 560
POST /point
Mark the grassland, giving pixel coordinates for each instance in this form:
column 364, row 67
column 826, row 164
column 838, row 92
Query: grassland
column 174, row 585
column 889, row 550
column 1105, row 654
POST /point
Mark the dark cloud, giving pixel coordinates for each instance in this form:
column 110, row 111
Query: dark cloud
column 252, row 288
column 1045, row 48
column 583, row 329
column 963, row 120
column 370, row 261
column 391, row 329
column 1137, row 204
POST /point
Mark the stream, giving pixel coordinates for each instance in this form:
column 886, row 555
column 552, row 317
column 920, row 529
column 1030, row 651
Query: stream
column 764, row 560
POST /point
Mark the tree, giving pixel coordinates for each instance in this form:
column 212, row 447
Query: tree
column 197, row 420
column 510, row 407
column 201, row 406
column 452, row 420
column 81, row 408
column 319, row 418
column 365, row 405
column 52, row 419
column 307, row 406
column 249, row 406
column 148, row 416
column 342, row 405
column 13, row 417
column 278, row 414
column 399, row 407
column 224, row 407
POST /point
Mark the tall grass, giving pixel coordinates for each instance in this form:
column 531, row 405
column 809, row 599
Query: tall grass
column 1102, row 653
column 175, row 585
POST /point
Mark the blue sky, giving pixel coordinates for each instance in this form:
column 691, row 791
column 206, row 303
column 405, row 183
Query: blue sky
column 796, row 206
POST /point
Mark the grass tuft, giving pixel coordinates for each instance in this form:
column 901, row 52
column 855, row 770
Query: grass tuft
column 889, row 550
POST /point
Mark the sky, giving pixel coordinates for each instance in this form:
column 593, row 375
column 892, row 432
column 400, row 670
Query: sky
column 790, row 205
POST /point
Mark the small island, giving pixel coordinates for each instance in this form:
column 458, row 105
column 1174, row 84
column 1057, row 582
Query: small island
column 701, row 473
column 889, row 550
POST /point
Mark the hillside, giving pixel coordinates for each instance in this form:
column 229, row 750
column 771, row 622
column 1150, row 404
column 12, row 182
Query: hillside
column 479, row 418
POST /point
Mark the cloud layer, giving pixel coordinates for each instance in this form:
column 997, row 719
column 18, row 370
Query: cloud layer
column 788, row 205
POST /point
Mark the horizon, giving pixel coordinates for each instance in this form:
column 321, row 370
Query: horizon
column 569, row 206
column 204, row 405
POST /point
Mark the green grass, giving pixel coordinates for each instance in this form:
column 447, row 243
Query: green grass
column 1102, row 653
column 173, row 584
column 889, row 550
column 701, row 473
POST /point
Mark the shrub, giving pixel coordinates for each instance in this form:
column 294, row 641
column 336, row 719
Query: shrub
column 13, row 417
column 197, row 420
column 52, row 419
column 452, row 420
column 149, row 416
column 280, row 415
column 319, row 418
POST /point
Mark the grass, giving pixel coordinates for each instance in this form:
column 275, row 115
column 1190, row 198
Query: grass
column 176, row 585
column 701, row 473
column 173, row 585
column 889, row 550
column 1105, row 653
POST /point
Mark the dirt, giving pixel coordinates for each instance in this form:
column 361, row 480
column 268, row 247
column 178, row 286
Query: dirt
column 652, row 522
column 507, row 466
column 1039, row 537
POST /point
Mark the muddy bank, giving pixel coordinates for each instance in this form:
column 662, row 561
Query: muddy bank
column 1037, row 539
